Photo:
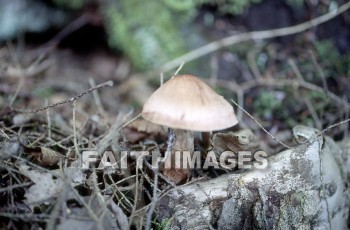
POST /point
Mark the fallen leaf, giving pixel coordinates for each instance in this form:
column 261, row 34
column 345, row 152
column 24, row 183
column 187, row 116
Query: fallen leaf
column 46, row 185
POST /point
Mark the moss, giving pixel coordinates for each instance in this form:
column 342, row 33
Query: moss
column 43, row 92
column 71, row 4
column 333, row 63
column 267, row 103
column 147, row 32
column 234, row 7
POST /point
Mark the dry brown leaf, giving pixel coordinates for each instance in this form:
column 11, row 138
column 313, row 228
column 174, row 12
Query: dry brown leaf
column 242, row 140
column 44, row 156
column 49, row 156
column 142, row 125
column 140, row 129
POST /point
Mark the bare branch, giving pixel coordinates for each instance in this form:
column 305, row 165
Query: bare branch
column 216, row 45
column 108, row 83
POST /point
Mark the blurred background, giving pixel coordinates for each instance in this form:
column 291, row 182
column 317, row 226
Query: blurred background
column 52, row 50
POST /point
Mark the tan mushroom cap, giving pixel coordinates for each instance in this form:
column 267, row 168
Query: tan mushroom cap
column 186, row 102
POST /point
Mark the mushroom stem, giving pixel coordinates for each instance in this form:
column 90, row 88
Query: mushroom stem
column 184, row 141
column 206, row 142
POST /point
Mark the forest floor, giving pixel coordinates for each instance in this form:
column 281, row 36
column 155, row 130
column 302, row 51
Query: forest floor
column 299, row 79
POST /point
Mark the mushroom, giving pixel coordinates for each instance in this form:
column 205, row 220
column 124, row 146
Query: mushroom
column 186, row 104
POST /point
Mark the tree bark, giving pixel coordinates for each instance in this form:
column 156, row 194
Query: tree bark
column 302, row 188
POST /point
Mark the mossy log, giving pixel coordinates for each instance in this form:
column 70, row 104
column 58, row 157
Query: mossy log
column 304, row 187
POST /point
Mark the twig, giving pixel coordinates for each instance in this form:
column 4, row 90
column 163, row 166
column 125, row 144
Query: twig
column 48, row 120
column 13, row 98
column 3, row 134
column 132, row 120
column 307, row 101
column 274, row 138
column 214, row 67
column 75, row 131
column 108, row 83
column 90, row 212
column 101, row 201
column 97, row 98
column 58, row 206
column 136, row 195
column 216, row 45
column 240, row 99
column 120, row 191
column 26, row 217
column 282, row 83
column 178, row 69
column 320, row 71
column 235, row 39
column 313, row 113
column 69, row 29
column 9, row 188
column 154, row 201
column 296, row 71
column 252, row 64
column 346, row 116
column 161, row 79
column 332, row 126
column 113, row 132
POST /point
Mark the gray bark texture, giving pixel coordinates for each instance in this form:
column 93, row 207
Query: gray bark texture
column 304, row 187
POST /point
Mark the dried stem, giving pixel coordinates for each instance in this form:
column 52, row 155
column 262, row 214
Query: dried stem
column 97, row 98
column 108, row 83
column 154, row 201
column 77, row 153
column 274, row 138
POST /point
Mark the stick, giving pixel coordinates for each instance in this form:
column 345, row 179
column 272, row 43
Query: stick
column 108, row 83
column 274, row 138
column 264, row 34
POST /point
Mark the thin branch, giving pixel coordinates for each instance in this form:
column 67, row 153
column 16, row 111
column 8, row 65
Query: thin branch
column 319, row 70
column 48, row 120
column 214, row 68
column 313, row 113
column 295, row 69
column 253, row 65
column 216, row 45
column 346, row 116
column 131, row 121
column 108, row 83
column 274, row 138
column 18, row 89
column 154, row 201
column 179, row 69
column 282, row 83
column 75, row 140
column 9, row 188
column 97, row 98
column 333, row 126
column 66, row 31
column 235, row 39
